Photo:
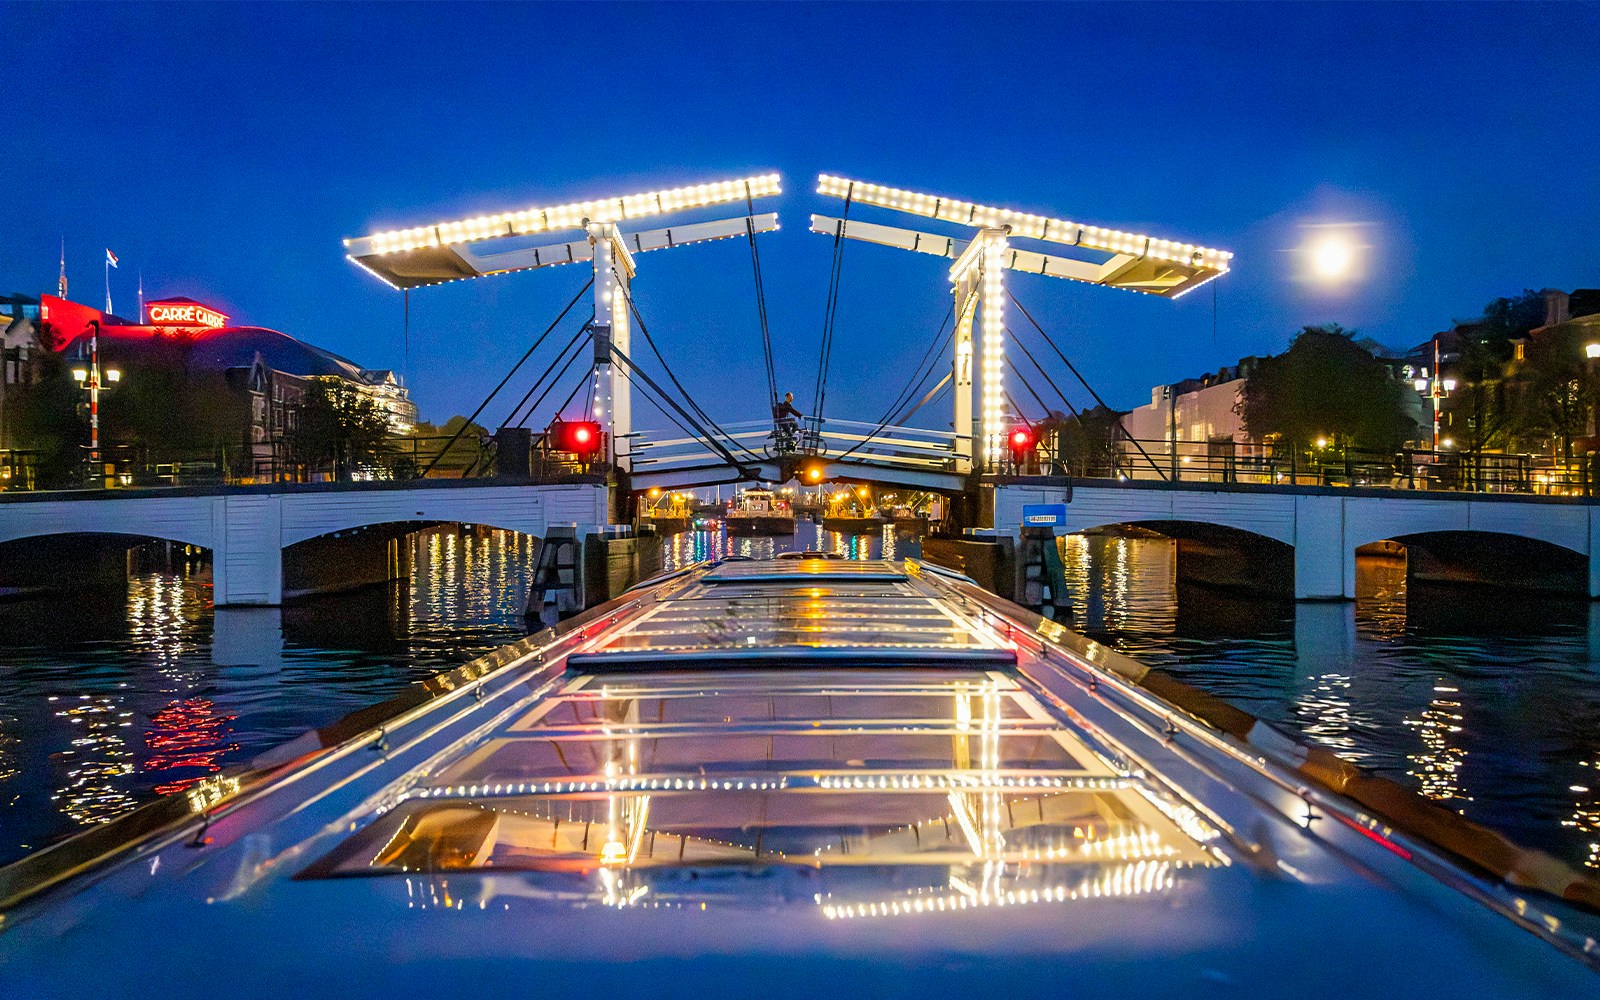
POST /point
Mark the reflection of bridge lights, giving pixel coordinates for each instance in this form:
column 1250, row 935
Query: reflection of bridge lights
column 1331, row 721
column 97, row 762
column 163, row 616
column 1586, row 817
column 1439, row 761
column 1136, row 879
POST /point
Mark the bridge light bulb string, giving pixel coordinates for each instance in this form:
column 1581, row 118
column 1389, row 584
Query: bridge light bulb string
column 542, row 219
column 1023, row 224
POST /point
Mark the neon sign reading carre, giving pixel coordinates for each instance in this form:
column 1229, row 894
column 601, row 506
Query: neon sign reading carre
column 186, row 314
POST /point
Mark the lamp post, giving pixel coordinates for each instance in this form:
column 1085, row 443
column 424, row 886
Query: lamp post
column 90, row 379
column 1437, row 387
column 1591, row 353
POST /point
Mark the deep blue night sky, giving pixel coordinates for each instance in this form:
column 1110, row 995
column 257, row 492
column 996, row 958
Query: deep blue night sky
column 225, row 150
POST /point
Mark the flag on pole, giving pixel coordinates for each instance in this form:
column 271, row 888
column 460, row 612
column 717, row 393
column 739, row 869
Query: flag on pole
column 111, row 258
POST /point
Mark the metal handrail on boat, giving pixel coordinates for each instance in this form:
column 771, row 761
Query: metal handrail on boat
column 173, row 817
column 1270, row 752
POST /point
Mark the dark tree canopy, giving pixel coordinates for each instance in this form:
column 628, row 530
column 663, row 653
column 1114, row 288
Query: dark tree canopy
column 1506, row 319
column 1326, row 386
column 339, row 428
column 1555, row 389
column 43, row 417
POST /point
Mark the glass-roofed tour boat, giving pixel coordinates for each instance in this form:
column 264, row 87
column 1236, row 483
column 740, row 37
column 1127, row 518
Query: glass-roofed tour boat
column 793, row 777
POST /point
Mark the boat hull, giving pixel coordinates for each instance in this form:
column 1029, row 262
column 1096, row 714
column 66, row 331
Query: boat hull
column 760, row 524
column 853, row 525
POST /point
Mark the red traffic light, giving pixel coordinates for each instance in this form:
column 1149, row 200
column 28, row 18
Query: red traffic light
column 581, row 437
column 1021, row 439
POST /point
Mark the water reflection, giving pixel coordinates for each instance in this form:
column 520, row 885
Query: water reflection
column 892, row 541
column 1485, row 701
column 111, row 699
column 92, row 769
column 1488, row 702
column 1439, row 763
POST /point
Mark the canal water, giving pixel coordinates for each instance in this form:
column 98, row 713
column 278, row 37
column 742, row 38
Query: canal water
column 1489, row 703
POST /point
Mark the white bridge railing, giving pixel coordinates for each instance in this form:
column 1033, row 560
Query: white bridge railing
column 755, row 441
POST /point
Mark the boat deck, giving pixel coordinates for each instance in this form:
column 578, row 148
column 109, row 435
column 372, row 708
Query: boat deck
column 780, row 777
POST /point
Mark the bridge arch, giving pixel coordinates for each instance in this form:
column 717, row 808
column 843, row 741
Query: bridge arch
column 1474, row 557
column 1223, row 556
column 71, row 561
column 365, row 555
column 298, row 527
column 188, row 520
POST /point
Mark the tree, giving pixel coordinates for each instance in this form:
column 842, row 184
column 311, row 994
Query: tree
column 1086, row 440
column 419, row 447
column 1485, row 348
column 1326, row 386
column 340, row 430
column 1550, row 402
column 44, row 419
column 1506, row 319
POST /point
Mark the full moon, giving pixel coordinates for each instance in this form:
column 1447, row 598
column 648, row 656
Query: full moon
column 1333, row 258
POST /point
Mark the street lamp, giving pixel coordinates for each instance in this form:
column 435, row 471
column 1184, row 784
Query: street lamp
column 1437, row 388
column 89, row 379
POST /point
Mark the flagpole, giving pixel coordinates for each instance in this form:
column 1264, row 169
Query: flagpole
column 141, row 296
column 108, row 282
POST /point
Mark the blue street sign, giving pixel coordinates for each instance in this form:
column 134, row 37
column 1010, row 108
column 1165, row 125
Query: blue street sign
column 1044, row 515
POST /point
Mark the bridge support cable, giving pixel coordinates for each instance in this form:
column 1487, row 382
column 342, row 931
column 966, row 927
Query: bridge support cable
column 687, row 397
column 637, row 375
column 933, row 393
column 1028, row 386
column 561, row 358
column 659, row 408
column 1048, row 380
column 569, row 361
column 1079, row 375
column 919, row 377
column 831, row 310
column 761, row 296
column 496, row 391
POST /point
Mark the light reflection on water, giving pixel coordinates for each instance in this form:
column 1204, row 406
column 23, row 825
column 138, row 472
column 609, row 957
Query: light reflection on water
column 1488, row 703
column 108, row 700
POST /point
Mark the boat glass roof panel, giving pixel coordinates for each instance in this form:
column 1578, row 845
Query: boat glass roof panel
column 952, row 768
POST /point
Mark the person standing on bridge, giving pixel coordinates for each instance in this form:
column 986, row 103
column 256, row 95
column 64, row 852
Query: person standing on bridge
column 786, row 420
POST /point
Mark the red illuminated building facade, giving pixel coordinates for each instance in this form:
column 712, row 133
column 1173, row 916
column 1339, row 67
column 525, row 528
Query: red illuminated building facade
column 266, row 370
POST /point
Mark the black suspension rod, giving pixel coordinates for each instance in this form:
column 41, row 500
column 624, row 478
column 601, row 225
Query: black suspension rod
column 543, row 375
column 528, row 354
column 1085, row 382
